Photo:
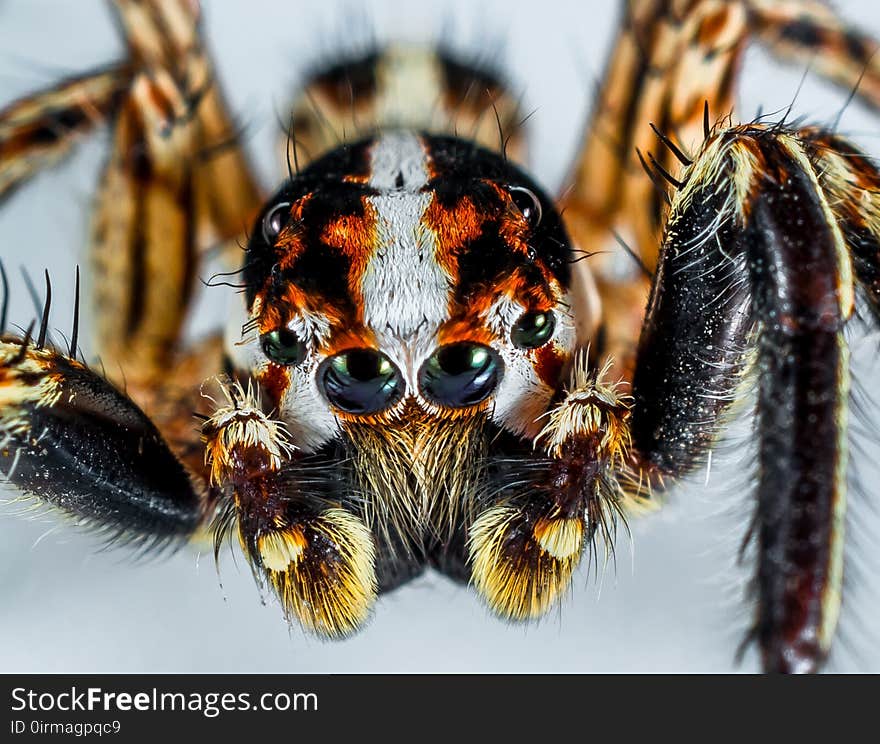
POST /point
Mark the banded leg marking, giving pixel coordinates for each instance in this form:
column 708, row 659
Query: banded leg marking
column 176, row 182
column 165, row 35
column 671, row 59
column 143, row 233
column 852, row 183
column 38, row 132
column 811, row 33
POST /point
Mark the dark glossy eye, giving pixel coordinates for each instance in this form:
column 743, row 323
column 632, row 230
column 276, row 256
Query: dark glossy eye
column 360, row 381
column 533, row 330
column 283, row 346
column 460, row 374
column 528, row 203
column 275, row 220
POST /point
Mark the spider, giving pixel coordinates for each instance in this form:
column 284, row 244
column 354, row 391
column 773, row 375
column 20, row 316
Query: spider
column 431, row 363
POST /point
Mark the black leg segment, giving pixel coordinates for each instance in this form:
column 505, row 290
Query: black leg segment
column 70, row 438
column 756, row 277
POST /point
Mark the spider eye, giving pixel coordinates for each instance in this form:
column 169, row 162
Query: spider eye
column 275, row 220
column 533, row 330
column 460, row 374
column 283, row 346
column 527, row 202
column 360, row 381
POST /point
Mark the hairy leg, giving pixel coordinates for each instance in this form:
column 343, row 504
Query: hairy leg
column 174, row 185
column 675, row 66
column 756, row 279
column 70, row 438
column 293, row 523
column 544, row 504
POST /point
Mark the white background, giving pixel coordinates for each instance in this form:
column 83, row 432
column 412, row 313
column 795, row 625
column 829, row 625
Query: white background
column 673, row 603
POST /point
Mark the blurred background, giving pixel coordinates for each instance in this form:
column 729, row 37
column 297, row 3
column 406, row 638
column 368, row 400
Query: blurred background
column 674, row 601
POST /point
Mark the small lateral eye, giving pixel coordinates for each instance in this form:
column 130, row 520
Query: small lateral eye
column 533, row 330
column 275, row 220
column 283, row 346
column 527, row 202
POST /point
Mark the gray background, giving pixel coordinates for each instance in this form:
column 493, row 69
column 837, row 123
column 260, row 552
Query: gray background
column 674, row 600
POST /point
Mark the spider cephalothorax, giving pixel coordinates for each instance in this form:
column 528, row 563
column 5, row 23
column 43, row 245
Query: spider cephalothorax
column 407, row 272
column 429, row 363
column 408, row 301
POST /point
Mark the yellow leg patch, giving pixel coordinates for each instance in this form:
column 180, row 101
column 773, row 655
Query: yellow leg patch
column 561, row 538
column 520, row 566
column 278, row 550
column 323, row 571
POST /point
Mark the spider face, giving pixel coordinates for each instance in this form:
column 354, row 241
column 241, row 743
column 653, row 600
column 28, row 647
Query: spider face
column 407, row 276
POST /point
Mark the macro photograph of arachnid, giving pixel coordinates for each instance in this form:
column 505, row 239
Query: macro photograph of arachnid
column 376, row 337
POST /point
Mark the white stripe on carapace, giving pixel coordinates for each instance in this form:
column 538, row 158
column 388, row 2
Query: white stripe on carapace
column 405, row 290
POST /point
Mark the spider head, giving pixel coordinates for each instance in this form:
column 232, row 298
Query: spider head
column 407, row 276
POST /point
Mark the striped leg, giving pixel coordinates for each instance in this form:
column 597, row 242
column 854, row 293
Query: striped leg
column 171, row 186
column 809, row 32
column 755, row 275
column 672, row 63
column 163, row 35
column 38, row 132
column 175, row 184
column 852, row 183
column 669, row 59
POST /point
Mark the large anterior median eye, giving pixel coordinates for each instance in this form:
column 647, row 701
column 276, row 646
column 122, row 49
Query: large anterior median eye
column 360, row 381
column 283, row 346
column 533, row 330
column 460, row 374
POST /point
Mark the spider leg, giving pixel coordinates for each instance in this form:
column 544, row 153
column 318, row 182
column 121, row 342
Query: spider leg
column 164, row 35
column 301, row 537
column 756, row 275
column 68, row 437
column 171, row 184
column 852, row 184
column 811, row 33
column 668, row 61
column 174, row 185
column 675, row 66
column 176, row 182
column 38, row 132
column 543, row 504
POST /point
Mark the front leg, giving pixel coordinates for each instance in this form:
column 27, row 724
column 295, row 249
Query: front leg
column 552, row 500
column 756, row 280
column 68, row 437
